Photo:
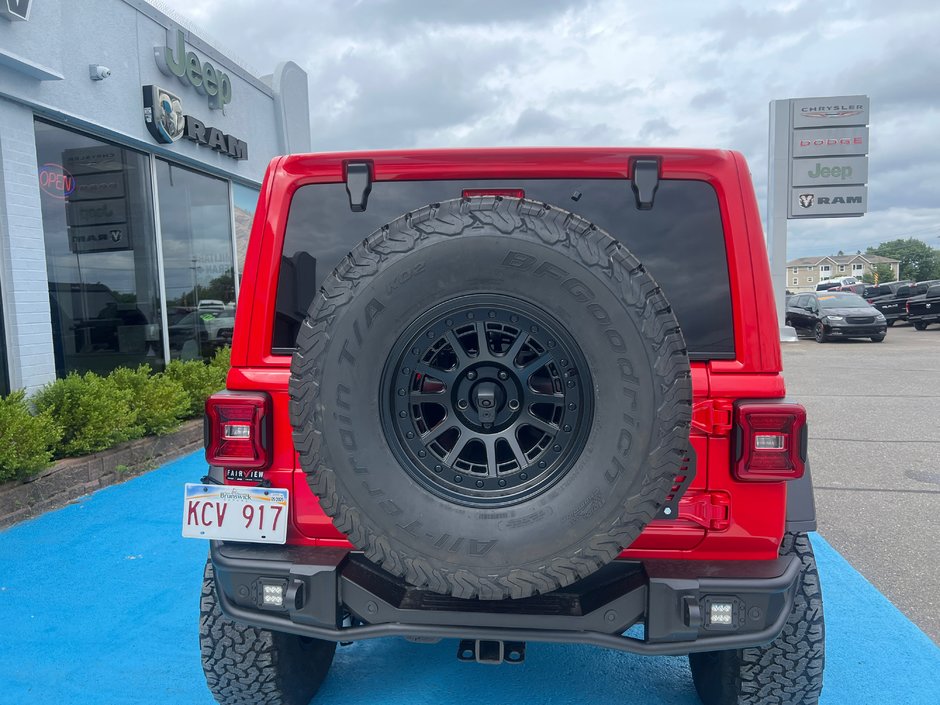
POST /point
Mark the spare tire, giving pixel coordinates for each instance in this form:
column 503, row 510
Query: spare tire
column 491, row 397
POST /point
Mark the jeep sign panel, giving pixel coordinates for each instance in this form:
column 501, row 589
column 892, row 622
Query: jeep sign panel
column 829, row 171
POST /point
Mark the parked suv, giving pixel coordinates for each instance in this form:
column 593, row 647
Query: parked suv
column 830, row 315
column 508, row 396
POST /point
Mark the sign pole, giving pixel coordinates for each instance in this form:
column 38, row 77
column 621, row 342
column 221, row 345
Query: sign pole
column 778, row 203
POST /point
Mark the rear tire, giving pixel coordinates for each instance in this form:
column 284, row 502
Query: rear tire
column 250, row 666
column 819, row 333
column 891, row 322
column 877, row 339
column 789, row 670
column 919, row 325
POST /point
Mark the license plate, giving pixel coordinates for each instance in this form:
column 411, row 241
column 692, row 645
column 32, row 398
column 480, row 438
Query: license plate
column 230, row 513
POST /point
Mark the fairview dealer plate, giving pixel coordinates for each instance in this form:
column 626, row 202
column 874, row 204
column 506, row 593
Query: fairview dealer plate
column 229, row 513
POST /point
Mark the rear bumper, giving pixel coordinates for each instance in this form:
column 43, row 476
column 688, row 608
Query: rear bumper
column 338, row 595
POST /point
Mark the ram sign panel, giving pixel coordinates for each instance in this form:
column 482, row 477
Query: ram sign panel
column 828, row 201
column 829, row 171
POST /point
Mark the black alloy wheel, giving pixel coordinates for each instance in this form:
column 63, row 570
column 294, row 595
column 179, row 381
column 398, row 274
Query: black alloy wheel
column 819, row 332
column 488, row 400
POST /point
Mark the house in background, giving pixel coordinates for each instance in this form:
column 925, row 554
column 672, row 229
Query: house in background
column 804, row 273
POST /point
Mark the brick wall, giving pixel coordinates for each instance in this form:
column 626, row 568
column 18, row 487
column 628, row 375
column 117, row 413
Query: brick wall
column 25, row 290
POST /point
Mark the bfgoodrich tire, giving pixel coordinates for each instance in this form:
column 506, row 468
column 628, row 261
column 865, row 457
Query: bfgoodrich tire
column 251, row 666
column 500, row 306
column 789, row 670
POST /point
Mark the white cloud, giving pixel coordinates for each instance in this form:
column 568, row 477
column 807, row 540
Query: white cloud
column 425, row 73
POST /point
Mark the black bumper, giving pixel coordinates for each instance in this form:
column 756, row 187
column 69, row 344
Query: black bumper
column 338, row 595
column 857, row 331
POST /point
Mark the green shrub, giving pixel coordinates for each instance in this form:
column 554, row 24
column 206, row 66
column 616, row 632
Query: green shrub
column 199, row 379
column 92, row 412
column 26, row 439
column 160, row 402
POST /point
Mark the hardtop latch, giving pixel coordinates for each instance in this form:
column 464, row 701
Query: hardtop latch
column 645, row 182
column 358, row 185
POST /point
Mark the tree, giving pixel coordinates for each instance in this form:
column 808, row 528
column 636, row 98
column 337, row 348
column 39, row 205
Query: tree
column 841, row 252
column 885, row 274
column 919, row 261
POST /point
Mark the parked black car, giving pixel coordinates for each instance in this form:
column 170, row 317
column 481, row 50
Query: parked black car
column 828, row 315
column 924, row 309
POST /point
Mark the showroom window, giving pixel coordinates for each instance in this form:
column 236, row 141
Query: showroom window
column 244, row 202
column 100, row 252
column 196, row 236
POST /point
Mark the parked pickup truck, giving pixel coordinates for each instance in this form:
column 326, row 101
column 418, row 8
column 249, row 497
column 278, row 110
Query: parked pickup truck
column 889, row 298
column 924, row 309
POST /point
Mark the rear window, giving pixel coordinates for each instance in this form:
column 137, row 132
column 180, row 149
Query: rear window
column 680, row 240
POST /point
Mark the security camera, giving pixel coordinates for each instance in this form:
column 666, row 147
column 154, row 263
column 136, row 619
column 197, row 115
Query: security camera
column 97, row 72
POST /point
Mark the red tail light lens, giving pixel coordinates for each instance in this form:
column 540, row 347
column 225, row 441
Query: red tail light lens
column 238, row 430
column 508, row 192
column 770, row 441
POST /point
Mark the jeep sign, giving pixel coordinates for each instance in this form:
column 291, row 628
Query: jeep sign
column 174, row 60
column 828, row 171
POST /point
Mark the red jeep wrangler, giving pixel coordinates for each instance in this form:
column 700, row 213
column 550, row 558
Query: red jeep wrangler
column 505, row 396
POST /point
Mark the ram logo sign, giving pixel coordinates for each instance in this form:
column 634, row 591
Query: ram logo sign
column 14, row 10
column 829, row 201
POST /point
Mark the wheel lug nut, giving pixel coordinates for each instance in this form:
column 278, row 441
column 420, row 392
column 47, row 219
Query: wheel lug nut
column 449, row 321
column 410, row 434
column 534, row 329
column 415, row 351
column 458, row 478
column 501, row 483
column 551, row 343
column 401, row 391
column 564, row 362
column 471, row 375
column 572, row 406
column 542, row 464
column 430, row 333
column 438, row 468
column 479, row 483
column 406, row 371
column 570, row 382
column 513, row 404
column 422, row 453
column 503, row 375
column 492, row 314
column 470, row 316
column 462, row 404
column 403, row 414
column 514, row 318
column 567, row 428
column 556, row 448
column 523, row 476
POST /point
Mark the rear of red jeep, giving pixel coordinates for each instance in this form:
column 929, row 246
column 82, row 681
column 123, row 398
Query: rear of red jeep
column 512, row 395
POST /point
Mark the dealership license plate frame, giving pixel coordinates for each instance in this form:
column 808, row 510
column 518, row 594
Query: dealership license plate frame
column 201, row 521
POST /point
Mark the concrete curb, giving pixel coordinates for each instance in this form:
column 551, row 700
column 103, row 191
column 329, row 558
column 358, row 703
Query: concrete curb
column 71, row 478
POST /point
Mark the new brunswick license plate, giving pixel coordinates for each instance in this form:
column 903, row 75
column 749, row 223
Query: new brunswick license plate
column 229, row 513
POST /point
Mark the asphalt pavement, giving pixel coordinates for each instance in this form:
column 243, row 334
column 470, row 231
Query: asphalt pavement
column 874, row 424
column 99, row 606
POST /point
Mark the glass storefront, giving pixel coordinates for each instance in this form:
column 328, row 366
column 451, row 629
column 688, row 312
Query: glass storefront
column 102, row 254
column 198, row 264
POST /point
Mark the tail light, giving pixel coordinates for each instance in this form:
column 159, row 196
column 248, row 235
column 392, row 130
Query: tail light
column 770, row 441
column 507, row 192
column 238, row 430
column 907, row 306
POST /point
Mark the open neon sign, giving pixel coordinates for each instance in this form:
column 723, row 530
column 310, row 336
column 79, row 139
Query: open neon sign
column 55, row 180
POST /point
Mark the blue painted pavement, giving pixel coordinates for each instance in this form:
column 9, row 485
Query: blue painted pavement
column 99, row 604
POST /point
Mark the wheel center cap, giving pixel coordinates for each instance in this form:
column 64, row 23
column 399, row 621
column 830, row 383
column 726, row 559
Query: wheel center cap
column 486, row 399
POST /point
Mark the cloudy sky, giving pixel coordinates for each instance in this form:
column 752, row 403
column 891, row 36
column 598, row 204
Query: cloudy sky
column 443, row 73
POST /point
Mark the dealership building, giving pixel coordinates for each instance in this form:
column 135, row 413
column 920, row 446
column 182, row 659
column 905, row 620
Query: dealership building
column 131, row 155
